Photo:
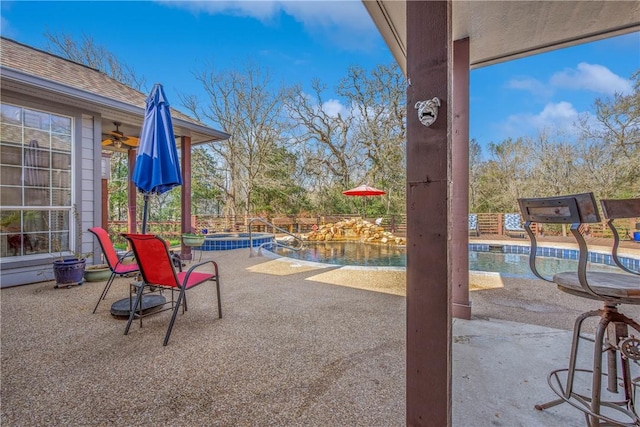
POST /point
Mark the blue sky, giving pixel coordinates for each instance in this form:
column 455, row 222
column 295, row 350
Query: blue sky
column 301, row 40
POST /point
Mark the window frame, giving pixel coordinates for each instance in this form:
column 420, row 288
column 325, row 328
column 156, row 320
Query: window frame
column 58, row 216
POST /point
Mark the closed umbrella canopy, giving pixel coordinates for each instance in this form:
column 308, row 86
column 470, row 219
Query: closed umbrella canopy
column 157, row 168
column 364, row 190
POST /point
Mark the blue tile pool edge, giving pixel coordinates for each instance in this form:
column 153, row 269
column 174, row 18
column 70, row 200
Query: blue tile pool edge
column 230, row 243
column 597, row 257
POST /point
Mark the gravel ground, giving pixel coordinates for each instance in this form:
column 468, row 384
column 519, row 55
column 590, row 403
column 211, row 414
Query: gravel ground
column 288, row 351
column 298, row 346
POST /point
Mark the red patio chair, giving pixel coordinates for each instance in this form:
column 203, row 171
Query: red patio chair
column 113, row 261
column 158, row 271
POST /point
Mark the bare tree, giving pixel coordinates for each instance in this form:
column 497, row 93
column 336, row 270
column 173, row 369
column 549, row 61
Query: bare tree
column 118, row 187
column 87, row 52
column 205, row 173
column 377, row 101
column 330, row 155
column 245, row 104
column 617, row 121
column 475, row 173
column 610, row 144
column 553, row 168
column 603, row 171
column 506, row 176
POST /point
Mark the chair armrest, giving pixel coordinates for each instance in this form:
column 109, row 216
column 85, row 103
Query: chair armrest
column 196, row 266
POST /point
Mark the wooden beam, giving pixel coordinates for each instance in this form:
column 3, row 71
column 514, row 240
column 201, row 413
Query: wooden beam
column 132, row 212
column 460, row 186
column 185, row 158
column 429, row 65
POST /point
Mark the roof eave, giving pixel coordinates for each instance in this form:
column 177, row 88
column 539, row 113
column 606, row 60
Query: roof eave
column 61, row 91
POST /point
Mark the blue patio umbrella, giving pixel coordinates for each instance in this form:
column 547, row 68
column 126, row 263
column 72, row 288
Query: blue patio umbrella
column 157, row 168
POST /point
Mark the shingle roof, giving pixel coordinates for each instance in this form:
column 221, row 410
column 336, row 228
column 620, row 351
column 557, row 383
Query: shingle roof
column 83, row 79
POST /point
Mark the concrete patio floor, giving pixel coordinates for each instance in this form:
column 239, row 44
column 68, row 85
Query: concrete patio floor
column 297, row 346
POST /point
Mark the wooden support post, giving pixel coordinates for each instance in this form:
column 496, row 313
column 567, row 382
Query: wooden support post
column 429, row 65
column 461, row 307
column 185, row 156
column 132, row 214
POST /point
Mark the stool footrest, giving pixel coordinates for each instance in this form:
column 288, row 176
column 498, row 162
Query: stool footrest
column 622, row 407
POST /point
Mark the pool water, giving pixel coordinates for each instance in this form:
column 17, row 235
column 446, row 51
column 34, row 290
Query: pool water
column 517, row 265
column 507, row 264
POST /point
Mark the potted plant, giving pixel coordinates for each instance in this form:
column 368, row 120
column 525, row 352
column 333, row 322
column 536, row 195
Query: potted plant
column 69, row 270
column 192, row 239
column 97, row 273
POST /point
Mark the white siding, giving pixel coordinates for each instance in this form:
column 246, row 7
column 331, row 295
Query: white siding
column 87, row 197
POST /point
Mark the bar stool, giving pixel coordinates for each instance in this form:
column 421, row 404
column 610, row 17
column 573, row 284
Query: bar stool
column 615, row 404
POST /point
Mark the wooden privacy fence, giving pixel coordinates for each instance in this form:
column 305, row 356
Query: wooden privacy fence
column 166, row 229
column 488, row 223
column 493, row 223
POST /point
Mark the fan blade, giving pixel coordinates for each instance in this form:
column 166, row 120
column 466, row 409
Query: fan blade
column 106, row 142
column 131, row 141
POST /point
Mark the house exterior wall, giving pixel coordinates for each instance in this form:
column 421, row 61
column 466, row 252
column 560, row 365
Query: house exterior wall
column 85, row 189
column 90, row 183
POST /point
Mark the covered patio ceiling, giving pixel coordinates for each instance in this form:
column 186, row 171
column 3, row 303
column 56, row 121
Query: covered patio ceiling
column 500, row 31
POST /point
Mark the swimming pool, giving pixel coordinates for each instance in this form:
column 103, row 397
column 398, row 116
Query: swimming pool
column 508, row 260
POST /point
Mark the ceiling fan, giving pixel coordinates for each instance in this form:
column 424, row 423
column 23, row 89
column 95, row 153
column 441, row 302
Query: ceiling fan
column 117, row 138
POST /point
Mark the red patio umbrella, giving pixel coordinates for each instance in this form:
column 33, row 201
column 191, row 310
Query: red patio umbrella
column 364, row 191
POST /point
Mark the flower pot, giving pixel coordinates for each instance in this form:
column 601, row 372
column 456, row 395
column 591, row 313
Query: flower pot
column 192, row 240
column 97, row 273
column 69, row 271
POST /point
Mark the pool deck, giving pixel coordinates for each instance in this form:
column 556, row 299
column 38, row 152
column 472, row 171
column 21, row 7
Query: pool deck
column 299, row 345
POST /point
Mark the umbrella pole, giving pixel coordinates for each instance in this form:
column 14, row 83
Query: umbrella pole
column 144, row 213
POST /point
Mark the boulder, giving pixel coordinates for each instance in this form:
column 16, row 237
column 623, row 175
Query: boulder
column 353, row 229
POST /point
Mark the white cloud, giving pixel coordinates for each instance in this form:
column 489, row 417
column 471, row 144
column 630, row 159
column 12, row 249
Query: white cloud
column 333, row 107
column 535, row 87
column 560, row 116
column 345, row 23
column 592, row 77
column 261, row 10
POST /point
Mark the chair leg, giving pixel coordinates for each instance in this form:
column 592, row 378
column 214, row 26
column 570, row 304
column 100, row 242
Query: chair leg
column 219, row 301
column 137, row 305
column 104, row 291
column 596, row 378
column 573, row 355
column 173, row 316
column 612, row 329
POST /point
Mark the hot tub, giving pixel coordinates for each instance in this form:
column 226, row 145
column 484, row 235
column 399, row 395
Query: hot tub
column 228, row 241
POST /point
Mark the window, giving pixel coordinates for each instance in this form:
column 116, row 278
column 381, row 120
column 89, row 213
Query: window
column 35, row 181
